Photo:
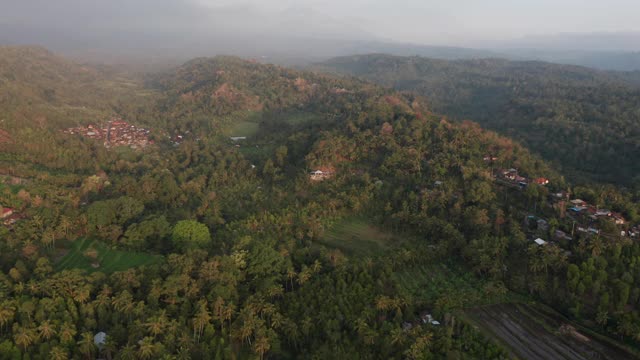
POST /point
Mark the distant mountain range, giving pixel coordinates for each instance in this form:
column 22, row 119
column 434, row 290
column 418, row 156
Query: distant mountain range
column 157, row 32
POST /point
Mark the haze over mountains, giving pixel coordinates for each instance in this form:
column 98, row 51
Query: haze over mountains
column 291, row 33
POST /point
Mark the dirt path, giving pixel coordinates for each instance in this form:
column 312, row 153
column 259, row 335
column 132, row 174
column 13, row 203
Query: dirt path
column 523, row 332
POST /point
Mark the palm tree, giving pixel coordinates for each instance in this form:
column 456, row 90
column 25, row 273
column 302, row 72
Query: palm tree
column 24, row 337
column 202, row 319
column 398, row 336
column 625, row 327
column 82, row 295
column 123, row 303
column 46, row 330
column 227, row 314
column 261, row 346
column 65, row 226
column 37, row 221
column 291, row 274
column 86, row 344
column 157, row 324
column 7, row 312
column 304, row 276
column 146, row 348
column 109, row 347
column 58, row 353
column 48, row 239
column 67, row 332
column 127, row 353
column 602, row 318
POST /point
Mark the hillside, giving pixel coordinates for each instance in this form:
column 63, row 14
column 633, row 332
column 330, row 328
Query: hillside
column 584, row 121
column 40, row 88
column 339, row 218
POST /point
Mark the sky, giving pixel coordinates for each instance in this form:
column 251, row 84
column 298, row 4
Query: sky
column 464, row 22
column 467, row 23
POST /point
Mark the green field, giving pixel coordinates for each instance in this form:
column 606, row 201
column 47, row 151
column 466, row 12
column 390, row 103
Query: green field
column 110, row 260
column 244, row 124
column 298, row 118
column 244, row 128
column 248, row 123
column 356, row 236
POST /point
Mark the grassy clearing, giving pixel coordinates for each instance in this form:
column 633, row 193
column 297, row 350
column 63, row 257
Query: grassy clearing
column 298, row 118
column 356, row 236
column 244, row 124
column 110, row 260
column 244, row 128
column 248, row 123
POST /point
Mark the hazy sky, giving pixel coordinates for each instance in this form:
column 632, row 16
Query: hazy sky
column 472, row 23
column 465, row 21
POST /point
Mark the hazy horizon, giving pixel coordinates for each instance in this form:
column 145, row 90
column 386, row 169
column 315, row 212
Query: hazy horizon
column 463, row 23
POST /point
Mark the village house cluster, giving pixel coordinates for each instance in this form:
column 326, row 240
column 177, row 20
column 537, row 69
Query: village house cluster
column 115, row 133
column 585, row 217
column 512, row 176
column 583, row 208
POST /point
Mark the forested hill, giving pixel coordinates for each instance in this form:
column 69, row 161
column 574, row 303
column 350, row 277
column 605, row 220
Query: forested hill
column 585, row 121
column 39, row 88
column 207, row 93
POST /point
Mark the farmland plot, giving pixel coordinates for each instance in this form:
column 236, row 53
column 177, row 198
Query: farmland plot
column 532, row 333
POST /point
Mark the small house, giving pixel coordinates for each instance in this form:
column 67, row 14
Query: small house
column 578, row 202
column 100, row 339
column 428, row 319
column 6, row 212
column 510, row 174
column 561, row 235
column 540, row 242
column 541, row 181
column 322, row 173
column 618, row 218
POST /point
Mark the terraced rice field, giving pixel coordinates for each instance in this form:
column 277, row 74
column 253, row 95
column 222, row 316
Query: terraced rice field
column 533, row 333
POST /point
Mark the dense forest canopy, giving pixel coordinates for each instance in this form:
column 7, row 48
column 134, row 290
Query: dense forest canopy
column 342, row 220
column 584, row 121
